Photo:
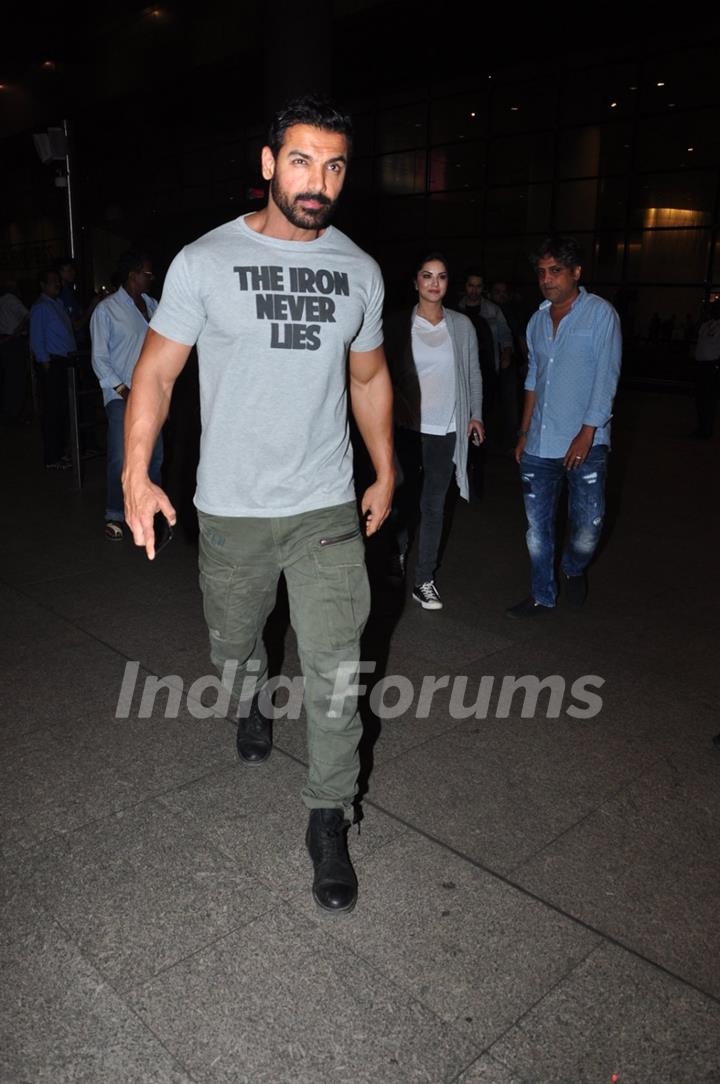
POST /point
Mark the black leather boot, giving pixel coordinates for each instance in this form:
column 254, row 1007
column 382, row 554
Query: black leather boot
column 254, row 736
column 335, row 883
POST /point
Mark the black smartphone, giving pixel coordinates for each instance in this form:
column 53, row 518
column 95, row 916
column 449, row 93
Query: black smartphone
column 163, row 532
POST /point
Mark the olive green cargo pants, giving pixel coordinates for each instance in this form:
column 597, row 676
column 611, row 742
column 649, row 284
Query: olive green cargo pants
column 323, row 557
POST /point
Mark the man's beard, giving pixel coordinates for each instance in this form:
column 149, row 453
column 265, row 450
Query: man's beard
column 303, row 219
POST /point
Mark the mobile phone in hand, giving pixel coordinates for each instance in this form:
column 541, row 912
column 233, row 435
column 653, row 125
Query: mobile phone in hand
column 163, row 532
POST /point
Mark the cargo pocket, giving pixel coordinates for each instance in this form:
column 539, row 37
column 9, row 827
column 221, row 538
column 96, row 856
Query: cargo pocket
column 343, row 591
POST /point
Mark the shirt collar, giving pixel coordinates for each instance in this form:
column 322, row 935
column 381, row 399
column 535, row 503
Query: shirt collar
column 545, row 305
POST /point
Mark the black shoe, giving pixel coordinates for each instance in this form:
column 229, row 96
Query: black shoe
column 335, row 883
column 528, row 608
column 575, row 590
column 254, row 736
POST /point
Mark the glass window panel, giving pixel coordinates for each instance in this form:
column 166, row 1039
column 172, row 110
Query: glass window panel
column 403, row 127
column 612, row 206
column 601, row 148
column 402, row 217
column 463, row 117
column 454, row 214
column 401, row 174
column 579, row 152
column 458, row 166
column 518, row 209
column 228, row 161
column 195, row 169
column 668, row 255
column 576, row 205
column 663, row 141
column 363, row 133
column 522, row 158
column 674, row 199
column 523, row 108
column 608, row 253
column 509, row 258
column 689, row 77
column 359, row 176
column 593, row 92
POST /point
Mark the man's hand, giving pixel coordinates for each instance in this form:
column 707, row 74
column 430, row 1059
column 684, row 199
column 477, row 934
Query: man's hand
column 519, row 449
column 579, row 448
column 143, row 500
column 376, row 505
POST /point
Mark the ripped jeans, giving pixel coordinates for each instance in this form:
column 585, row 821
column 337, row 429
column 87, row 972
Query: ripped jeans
column 542, row 481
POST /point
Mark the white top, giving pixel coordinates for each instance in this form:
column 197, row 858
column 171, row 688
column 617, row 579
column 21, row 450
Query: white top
column 433, row 356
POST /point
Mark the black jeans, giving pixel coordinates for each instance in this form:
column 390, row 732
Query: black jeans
column 427, row 466
column 52, row 382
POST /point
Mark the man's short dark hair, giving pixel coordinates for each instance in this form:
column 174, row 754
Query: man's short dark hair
column 312, row 109
column 563, row 249
column 473, row 272
column 130, row 261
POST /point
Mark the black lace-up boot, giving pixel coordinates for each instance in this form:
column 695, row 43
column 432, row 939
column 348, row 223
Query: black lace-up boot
column 254, row 736
column 335, row 883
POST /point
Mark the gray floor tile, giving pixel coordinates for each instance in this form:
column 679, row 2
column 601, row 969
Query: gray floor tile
column 44, row 790
column 616, row 1016
column 141, row 890
column 256, row 816
column 500, row 789
column 644, row 868
column 488, row 1071
column 474, row 950
column 60, row 1022
column 281, row 1002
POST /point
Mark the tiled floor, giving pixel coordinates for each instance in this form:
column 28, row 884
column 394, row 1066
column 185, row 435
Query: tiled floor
column 539, row 892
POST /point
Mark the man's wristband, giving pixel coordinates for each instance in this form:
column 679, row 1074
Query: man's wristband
column 120, row 388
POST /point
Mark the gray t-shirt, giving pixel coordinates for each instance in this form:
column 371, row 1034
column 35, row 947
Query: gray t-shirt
column 273, row 321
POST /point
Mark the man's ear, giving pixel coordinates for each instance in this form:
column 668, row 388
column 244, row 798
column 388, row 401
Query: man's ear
column 267, row 159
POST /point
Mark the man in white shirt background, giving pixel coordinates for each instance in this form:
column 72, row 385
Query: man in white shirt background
column 118, row 328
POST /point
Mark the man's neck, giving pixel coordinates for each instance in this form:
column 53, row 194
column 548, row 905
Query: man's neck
column 271, row 222
column 132, row 291
column 558, row 311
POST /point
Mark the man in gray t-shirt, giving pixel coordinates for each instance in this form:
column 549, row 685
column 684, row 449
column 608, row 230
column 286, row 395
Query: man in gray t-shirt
column 285, row 311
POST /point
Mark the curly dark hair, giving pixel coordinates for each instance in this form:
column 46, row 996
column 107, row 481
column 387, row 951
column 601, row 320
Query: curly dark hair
column 562, row 248
column 313, row 109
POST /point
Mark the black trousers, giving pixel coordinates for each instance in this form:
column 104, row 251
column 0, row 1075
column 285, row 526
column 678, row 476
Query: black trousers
column 54, row 413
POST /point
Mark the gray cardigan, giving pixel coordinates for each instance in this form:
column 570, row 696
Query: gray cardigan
column 468, row 381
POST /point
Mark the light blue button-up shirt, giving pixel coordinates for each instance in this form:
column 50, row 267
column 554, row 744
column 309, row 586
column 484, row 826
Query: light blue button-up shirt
column 574, row 375
column 51, row 331
column 118, row 331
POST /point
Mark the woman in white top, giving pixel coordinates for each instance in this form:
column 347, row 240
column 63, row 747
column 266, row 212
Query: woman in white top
column 433, row 356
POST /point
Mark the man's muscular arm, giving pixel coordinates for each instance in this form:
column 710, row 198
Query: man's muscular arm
column 159, row 366
column 372, row 399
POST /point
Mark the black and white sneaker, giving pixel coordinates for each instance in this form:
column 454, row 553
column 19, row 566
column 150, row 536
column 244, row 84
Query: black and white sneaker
column 427, row 595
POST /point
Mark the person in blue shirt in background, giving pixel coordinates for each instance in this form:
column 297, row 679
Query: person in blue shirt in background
column 574, row 352
column 53, row 346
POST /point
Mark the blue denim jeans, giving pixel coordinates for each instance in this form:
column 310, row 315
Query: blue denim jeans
column 115, row 508
column 542, row 481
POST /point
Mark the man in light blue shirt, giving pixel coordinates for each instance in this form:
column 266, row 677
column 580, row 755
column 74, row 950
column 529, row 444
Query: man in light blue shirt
column 575, row 347
column 118, row 329
column 52, row 342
